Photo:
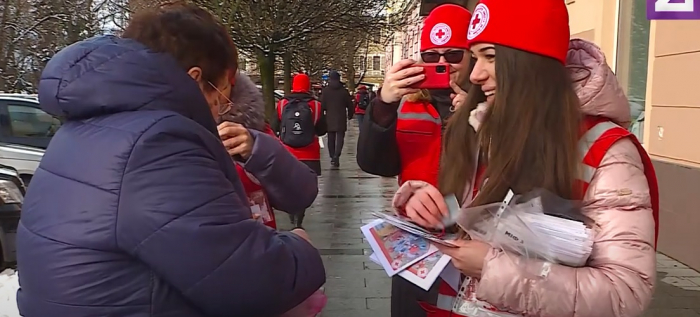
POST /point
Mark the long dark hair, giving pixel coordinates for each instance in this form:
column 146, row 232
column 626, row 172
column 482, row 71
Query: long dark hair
column 531, row 132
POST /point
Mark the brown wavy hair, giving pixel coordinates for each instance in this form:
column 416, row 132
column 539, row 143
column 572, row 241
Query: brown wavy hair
column 189, row 33
column 531, row 132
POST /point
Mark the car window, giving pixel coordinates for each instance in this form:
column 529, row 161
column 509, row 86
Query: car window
column 26, row 121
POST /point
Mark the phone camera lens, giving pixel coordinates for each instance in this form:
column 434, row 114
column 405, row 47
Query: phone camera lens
column 440, row 69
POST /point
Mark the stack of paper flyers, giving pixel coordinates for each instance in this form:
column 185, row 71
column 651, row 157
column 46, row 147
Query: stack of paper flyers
column 410, row 255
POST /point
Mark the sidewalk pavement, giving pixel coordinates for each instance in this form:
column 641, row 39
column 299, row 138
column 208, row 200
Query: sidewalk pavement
column 358, row 288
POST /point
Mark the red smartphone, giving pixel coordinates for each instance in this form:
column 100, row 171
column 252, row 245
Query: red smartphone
column 437, row 76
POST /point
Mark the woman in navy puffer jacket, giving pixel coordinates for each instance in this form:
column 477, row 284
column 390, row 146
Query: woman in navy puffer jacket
column 137, row 209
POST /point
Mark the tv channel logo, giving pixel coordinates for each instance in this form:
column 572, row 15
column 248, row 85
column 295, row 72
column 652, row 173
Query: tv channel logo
column 673, row 9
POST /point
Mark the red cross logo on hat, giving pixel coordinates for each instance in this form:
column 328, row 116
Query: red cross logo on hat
column 476, row 20
column 440, row 34
column 480, row 19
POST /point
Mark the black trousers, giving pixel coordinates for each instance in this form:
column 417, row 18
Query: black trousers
column 297, row 218
column 405, row 297
column 336, row 140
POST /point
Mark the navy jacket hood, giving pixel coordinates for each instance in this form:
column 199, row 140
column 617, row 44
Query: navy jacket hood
column 74, row 86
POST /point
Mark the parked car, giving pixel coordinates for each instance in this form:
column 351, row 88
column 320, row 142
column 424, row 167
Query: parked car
column 279, row 94
column 25, row 132
column 23, row 122
column 25, row 159
column 11, row 198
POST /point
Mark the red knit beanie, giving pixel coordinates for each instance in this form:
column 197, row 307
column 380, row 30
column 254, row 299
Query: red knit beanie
column 538, row 26
column 301, row 83
column 445, row 26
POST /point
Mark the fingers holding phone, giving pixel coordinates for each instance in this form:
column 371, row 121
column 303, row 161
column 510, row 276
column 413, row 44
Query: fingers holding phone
column 399, row 79
column 459, row 97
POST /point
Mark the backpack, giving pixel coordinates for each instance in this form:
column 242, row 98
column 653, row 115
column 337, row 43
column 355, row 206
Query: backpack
column 297, row 128
column 363, row 103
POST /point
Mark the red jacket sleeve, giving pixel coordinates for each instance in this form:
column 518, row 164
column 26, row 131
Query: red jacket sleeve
column 280, row 105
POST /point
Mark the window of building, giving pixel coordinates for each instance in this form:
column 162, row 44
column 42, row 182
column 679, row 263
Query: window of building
column 376, row 62
column 633, row 55
column 28, row 121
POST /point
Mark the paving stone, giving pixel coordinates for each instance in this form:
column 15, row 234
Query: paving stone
column 383, row 303
column 676, row 281
column 356, row 313
column 342, row 303
column 679, row 272
column 674, row 312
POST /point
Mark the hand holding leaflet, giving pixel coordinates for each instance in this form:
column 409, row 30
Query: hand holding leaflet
column 396, row 249
column 408, row 226
column 424, row 272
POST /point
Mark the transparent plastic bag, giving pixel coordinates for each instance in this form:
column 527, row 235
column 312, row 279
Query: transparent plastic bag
column 538, row 225
column 311, row 307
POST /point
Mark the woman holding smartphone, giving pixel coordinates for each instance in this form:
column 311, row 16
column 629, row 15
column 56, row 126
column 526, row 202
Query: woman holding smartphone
column 543, row 130
column 402, row 129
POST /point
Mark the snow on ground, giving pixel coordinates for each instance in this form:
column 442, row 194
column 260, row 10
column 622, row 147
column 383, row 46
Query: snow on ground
column 9, row 283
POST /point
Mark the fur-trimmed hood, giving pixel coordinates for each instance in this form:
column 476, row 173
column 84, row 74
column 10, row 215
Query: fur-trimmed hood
column 248, row 105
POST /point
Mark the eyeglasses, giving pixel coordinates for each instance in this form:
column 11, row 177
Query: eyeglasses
column 223, row 108
column 452, row 57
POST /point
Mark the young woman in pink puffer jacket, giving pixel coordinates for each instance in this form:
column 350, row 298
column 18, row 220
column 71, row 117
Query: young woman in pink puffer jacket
column 540, row 129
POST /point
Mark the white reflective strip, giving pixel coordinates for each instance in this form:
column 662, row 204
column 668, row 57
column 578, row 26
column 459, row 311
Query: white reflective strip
column 445, row 302
column 585, row 144
column 415, row 116
column 587, row 173
column 587, row 140
column 403, row 101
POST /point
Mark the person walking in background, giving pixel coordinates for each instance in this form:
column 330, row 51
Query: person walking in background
column 339, row 108
column 301, row 123
column 272, row 176
column 372, row 95
column 137, row 208
column 362, row 100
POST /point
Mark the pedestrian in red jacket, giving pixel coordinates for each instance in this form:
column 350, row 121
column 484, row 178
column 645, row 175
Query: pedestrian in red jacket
column 302, row 121
column 362, row 100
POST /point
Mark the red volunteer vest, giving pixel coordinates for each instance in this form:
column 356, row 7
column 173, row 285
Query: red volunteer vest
column 598, row 135
column 358, row 110
column 419, row 139
column 311, row 152
column 259, row 204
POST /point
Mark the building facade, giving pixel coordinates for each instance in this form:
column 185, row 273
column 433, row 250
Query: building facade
column 405, row 42
column 370, row 61
column 658, row 64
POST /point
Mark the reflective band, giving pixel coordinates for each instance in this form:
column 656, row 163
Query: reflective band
column 424, row 116
column 445, row 302
column 587, row 140
column 587, row 173
column 585, row 144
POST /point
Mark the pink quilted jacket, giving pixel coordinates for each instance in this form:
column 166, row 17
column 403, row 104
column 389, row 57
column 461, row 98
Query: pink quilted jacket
column 619, row 277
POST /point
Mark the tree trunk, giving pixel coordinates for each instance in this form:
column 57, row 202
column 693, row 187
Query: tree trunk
column 287, row 71
column 351, row 77
column 266, row 65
